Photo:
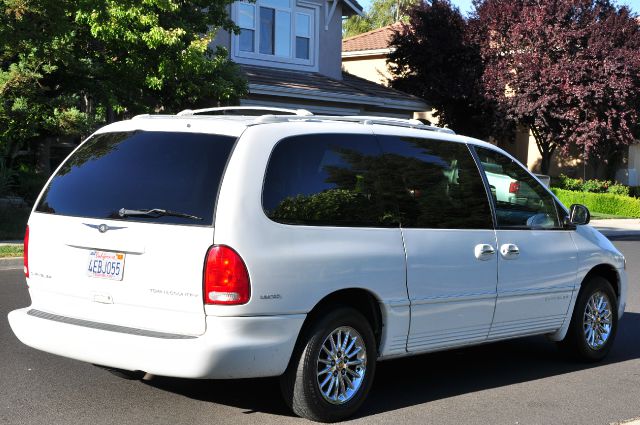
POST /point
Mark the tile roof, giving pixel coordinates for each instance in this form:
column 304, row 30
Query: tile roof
column 311, row 85
column 372, row 40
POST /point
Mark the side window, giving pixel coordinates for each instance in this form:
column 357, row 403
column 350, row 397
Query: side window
column 328, row 180
column 436, row 184
column 521, row 202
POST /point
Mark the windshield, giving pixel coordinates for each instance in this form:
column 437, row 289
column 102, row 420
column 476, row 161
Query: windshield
column 141, row 170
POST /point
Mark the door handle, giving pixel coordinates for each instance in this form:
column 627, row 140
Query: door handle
column 484, row 251
column 509, row 251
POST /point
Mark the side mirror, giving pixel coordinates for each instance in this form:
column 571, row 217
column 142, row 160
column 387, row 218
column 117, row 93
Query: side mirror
column 578, row 215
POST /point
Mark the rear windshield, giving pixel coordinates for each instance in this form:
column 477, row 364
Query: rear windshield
column 139, row 171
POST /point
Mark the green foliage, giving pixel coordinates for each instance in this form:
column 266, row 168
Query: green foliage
column 619, row 189
column 596, row 186
column 634, row 191
column 68, row 66
column 7, row 251
column 336, row 205
column 605, row 203
column 13, row 222
column 592, row 186
column 7, row 179
column 380, row 14
column 568, row 183
column 29, row 184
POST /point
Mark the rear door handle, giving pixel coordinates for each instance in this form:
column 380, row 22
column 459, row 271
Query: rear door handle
column 484, row 251
column 509, row 251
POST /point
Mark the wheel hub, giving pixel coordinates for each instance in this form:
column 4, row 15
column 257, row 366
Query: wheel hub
column 597, row 322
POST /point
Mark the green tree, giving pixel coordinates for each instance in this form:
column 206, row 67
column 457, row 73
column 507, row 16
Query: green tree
column 434, row 58
column 67, row 66
column 380, row 14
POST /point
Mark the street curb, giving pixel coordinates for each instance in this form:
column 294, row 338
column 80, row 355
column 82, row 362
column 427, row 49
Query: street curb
column 11, row 263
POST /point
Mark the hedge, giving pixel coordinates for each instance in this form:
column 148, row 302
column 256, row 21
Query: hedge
column 605, row 203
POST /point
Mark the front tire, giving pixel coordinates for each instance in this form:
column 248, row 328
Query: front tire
column 594, row 322
column 332, row 369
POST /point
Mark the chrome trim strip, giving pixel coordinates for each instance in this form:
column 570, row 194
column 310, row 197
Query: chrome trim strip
column 105, row 326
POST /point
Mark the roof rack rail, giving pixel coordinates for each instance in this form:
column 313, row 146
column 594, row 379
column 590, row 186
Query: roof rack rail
column 223, row 109
column 362, row 119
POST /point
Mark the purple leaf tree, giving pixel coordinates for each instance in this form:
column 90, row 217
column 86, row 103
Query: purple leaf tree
column 568, row 70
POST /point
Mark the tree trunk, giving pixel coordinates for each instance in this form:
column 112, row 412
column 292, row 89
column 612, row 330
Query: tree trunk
column 545, row 163
column 545, row 148
column 111, row 116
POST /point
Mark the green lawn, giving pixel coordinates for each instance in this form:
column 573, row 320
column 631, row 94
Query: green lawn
column 11, row 251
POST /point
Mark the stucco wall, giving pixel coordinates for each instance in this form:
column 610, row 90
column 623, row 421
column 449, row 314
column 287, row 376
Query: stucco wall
column 330, row 44
column 372, row 68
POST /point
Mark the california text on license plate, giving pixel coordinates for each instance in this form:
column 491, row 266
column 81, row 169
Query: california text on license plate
column 106, row 265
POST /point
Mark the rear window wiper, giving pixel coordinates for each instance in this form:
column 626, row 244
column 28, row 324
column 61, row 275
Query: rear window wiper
column 155, row 212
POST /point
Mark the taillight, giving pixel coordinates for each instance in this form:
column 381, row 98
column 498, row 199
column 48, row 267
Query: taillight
column 226, row 280
column 514, row 187
column 26, row 252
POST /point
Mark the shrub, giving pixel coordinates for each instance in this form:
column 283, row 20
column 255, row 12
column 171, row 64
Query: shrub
column 569, row 183
column 596, row 186
column 29, row 185
column 634, row 191
column 13, row 221
column 7, row 179
column 605, row 203
column 618, row 189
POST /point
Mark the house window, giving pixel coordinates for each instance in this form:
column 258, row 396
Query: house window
column 275, row 30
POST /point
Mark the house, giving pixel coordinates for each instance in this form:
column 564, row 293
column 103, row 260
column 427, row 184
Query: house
column 365, row 55
column 290, row 53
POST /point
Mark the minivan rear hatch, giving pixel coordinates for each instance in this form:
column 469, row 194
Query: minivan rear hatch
column 120, row 234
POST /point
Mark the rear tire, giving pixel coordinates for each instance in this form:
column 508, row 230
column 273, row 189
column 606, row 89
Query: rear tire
column 594, row 322
column 332, row 368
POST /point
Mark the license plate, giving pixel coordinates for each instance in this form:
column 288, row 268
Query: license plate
column 106, row 265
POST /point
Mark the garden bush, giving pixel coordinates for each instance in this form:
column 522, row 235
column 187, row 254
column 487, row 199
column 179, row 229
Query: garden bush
column 592, row 186
column 618, row 189
column 568, row 183
column 605, row 203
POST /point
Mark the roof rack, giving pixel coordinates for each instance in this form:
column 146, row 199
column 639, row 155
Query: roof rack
column 362, row 119
column 223, row 109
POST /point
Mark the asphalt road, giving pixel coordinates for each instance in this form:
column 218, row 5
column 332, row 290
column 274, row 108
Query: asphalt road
column 522, row 381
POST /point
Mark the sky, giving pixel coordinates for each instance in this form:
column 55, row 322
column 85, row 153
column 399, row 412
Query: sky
column 466, row 6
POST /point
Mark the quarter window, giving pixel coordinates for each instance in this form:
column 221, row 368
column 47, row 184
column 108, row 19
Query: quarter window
column 520, row 201
column 436, row 184
column 328, row 179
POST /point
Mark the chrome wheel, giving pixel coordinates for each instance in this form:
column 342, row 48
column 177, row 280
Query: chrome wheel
column 597, row 322
column 341, row 365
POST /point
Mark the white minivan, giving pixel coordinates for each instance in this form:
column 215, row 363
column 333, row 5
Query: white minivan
column 238, row 245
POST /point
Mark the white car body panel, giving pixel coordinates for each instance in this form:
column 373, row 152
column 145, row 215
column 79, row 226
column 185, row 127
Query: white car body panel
column 154, row 294
column 535, row 287
column 293, row 267
column 432, row 291
column 452, row 293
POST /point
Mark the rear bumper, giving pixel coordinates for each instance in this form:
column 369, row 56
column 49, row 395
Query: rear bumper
column 231, row 347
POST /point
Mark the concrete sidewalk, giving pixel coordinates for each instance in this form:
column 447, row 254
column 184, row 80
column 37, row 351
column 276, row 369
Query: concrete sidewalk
column 618, row 227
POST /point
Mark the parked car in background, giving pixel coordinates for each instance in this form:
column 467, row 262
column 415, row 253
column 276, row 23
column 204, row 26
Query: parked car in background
column 307, row 248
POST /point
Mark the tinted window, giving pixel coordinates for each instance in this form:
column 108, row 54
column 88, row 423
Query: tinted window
column 179, row 172
column 328, row 179
column 436, row 183
column 521, row 202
